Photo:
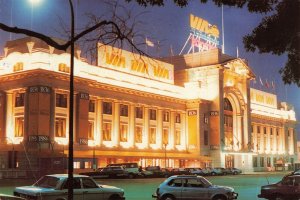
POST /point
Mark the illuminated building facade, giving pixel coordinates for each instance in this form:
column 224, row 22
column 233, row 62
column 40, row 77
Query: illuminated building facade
column 194, row 110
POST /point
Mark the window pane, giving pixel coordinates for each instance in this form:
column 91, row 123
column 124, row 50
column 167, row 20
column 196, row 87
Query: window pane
column 60, row 127
column 139, row 112
column 165, row 136
column 177, row 118
column 166, row 116
column 19, row 127
column 123, row 132
column 152, row 114
column 123, row 110
column 61, row 100
column 152, row 136
column 107, row 108
column 91, row 130
column 138, row 134
column 19, row 100
column 107, row 131
column 92, row 106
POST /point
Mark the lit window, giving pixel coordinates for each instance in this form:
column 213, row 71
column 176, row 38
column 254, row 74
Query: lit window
column 123, row 110
column 165, row 136
column 92, row 106
column 107, row 108
column 76, row 165
column 258, row 129
column 19, row 126
column 87, row 165
column 152, row 137
column 152, row 114
column 63, row 68
column 91, row 130
column 60, row 127
column 177, row 136
column 177, row 118
column 123, row 132
column 19, row 100
column 139, row 112
column 166, row 116
column 18, row 66
column 138, row 134
column 106, row 131
column 61, row 100
column 265, row 130
column 271, row 131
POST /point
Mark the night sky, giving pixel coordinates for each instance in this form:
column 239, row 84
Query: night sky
column 168, row 26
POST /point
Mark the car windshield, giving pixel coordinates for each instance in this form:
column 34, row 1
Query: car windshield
column 47, row 182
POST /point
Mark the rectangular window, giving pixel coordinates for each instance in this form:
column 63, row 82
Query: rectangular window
column 268, row 162
column 165, row 136
column 265, row 130
column 107, row 108
column 271, row 131
column 87, row 165
column 91, row 130
column 139, row 112
column 177, row 136
column 166, row 116
column 277, row 131
column 106, row 131
column 19, row 126
column 138, row 134
column 252, row 129
column 19, row 100
column 76, row 165
column 254, row 161
column 61, row 100
column 13, row 159
column 205, row 137
column 177, row 118
column 60, row 127
column 258, row 129
column 152, row 114
column 152, row 136
column 262, row 161
column 123, row 132
column 123, row 110
column 92, row 106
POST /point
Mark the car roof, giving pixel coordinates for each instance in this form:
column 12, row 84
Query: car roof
column 65, row 175
column 184, row 176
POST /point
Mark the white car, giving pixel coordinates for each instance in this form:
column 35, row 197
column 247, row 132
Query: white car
column 55, row 187
column 192, row 187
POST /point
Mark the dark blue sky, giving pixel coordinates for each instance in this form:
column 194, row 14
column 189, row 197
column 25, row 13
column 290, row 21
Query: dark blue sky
column 169, row 25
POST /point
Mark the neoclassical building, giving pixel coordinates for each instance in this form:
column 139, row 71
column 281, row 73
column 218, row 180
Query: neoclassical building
column 194, row 110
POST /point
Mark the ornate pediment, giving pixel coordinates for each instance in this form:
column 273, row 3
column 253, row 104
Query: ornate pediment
column 240, row 67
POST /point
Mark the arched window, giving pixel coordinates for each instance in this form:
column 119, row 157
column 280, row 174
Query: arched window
column 227, row 105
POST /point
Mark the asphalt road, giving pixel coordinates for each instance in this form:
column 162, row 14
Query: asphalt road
column 247, row 186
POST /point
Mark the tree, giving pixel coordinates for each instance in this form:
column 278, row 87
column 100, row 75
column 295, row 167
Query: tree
column 278, row 32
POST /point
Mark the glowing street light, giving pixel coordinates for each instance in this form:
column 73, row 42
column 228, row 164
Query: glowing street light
column 34, row 2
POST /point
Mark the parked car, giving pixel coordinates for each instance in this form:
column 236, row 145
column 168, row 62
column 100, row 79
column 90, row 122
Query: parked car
column 195, row 171
column 192, row 187
column 224, row 171
column 158, row 172
column 234, row 171
column 109, row 172
column 10, row 197
column 131, row 168
column 287, row 188
column 178, row 171
column 52, row 187
column 214, row 171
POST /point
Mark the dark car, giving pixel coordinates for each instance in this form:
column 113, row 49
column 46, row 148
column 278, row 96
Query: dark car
column 178, row 171
column 234, row 170
column 109, row 172
column 224, row 171
column 158, row 172
column 287, row 188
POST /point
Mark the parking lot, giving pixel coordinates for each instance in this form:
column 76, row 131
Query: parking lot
column 247, row 186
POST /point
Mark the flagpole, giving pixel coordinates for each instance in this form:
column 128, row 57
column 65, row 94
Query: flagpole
column 223, row 42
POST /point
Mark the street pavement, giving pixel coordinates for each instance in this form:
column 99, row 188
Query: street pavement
column 247, row 186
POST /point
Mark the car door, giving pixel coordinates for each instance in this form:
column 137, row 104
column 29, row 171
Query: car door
column 91, row 191
column 194, row 189
column 77, row 190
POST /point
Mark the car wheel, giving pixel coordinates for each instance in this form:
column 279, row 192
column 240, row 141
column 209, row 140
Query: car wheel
column 115, row 197
column 219, row 197
column 278, row 197
column 213, row 173
column 130, row 176
column 235, row 173
column 168, row 197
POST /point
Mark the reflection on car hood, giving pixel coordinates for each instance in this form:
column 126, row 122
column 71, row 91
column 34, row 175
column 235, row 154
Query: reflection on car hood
column 223, row 187
column 111, row 187
column 32, row 189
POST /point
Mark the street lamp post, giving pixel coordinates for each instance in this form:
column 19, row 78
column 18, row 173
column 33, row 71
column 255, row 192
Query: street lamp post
column 94, row 159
